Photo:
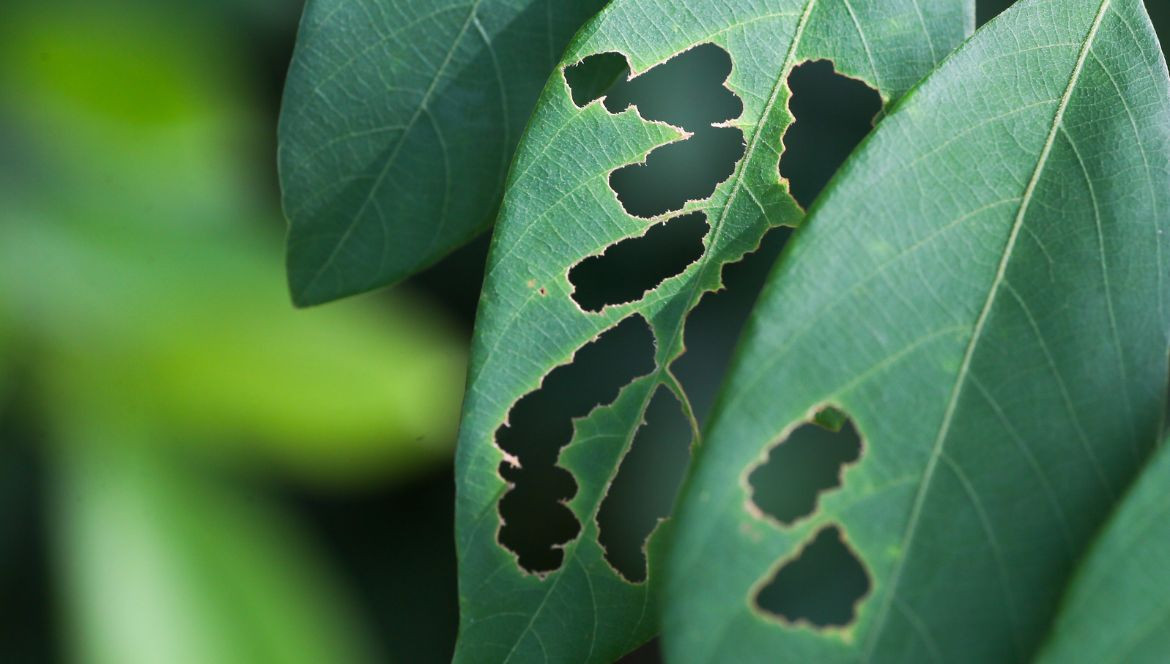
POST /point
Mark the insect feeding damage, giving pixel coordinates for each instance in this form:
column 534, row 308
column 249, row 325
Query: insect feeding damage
column 535, row 521
column 831, row 114
column 822, row 585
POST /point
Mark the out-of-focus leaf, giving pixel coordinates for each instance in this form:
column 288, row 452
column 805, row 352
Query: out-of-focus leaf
column 983, row 289
column 161, row 564
column 1117, row 608
column 398, row 124
column 559, row 209
column 137, row 112
column 194, row 334
column 133, row 267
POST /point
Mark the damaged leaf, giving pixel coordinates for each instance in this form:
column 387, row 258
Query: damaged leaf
column 398, row 123
column 559, row 210
column 983, row 289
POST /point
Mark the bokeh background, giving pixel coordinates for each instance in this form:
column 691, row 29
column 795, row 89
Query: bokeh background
column 190, row 469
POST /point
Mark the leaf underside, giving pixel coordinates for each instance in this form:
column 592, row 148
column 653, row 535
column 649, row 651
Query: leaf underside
column 398, row 123
column 982, row 289
column 559, row 209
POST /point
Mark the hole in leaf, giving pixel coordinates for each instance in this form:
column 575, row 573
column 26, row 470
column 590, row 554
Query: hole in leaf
column 536, row 520
column 714, row 327
column 832, row 114
column 646, row 485
column 640, row 187
column 687, row 91
column 649, row 653
column 804, row 465
column 593, row 77
column 821, row 586
column 634, row 266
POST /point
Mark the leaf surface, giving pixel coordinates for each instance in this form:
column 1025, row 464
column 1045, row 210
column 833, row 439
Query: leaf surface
column 559, row 209
column 983, row 290
column 398, row 123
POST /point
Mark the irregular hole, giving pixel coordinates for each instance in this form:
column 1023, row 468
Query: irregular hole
column 714, row 326
column 671, row 175
column 832, row 114
column 804, row 465
column 629, row 269
column 646, row 485
column 593, row 77
column 821, row 586
column 648, row 653
column 686, row 91
column 536, row 520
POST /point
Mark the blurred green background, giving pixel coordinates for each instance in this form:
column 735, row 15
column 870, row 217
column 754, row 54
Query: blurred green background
column 190, row 469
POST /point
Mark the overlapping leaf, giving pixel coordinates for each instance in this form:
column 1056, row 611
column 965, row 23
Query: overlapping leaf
column 1117, row 608
column 559, row 209
column 983, row 290
column 398, row 123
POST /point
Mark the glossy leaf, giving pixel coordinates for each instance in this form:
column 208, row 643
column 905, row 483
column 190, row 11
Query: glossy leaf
column 983, row 290
column 1117, row 609
column 399, row 120
column 559, row 209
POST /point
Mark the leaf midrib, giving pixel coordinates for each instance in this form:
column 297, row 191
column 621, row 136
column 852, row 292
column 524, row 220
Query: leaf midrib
column 964, row 368
column 699, row 272
column 736, row 178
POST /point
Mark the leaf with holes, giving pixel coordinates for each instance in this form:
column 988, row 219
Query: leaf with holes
column 574, row 198
column 398, row 123
column 983, row 291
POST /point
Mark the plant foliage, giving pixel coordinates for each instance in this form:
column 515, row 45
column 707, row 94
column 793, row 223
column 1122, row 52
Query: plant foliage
column 979, row 296
column 998, row 333
column 398, row 123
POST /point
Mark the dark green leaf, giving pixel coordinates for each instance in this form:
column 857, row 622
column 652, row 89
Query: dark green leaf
column 399, row 120
column 559, row 209
column 983, row 289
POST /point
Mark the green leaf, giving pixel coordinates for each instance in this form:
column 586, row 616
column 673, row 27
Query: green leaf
column 558, row 209
column 983, row 290
column 161, row 564
column 398, row 123
column 1116, row 609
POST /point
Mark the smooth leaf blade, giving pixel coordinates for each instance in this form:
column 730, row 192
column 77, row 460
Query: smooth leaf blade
column 558, row 209
column 398, row 123
column 982, row 289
